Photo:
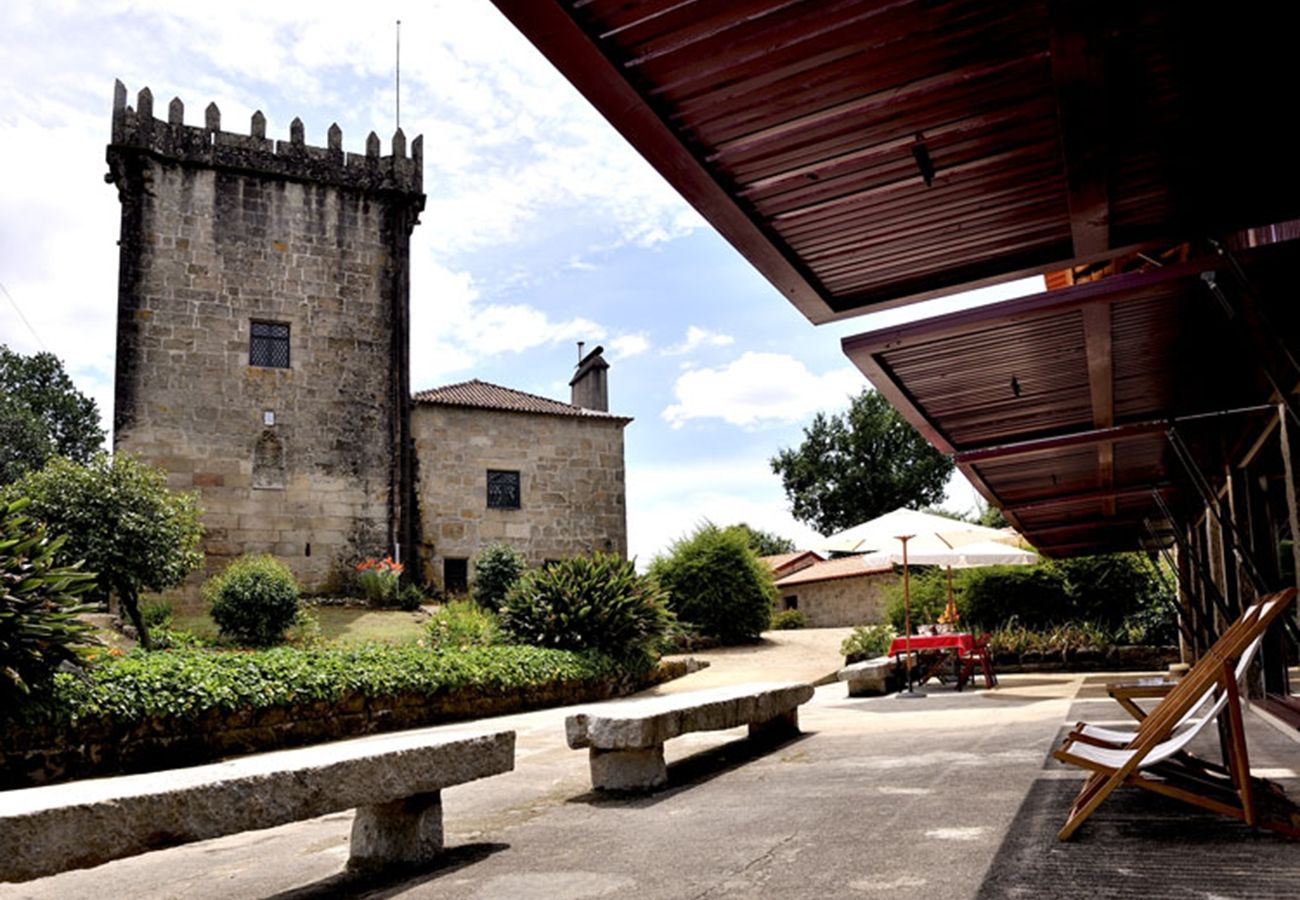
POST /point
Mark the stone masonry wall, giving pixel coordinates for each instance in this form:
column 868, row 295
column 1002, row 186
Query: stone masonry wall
column 572, row 499
column 219, row 230
column 841, row 602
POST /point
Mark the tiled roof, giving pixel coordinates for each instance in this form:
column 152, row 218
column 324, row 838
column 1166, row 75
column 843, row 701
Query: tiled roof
column 781, row 561
column 482, row 395
column 845, row 567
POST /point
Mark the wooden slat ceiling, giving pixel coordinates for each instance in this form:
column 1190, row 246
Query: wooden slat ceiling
column 1056, row 406
column 1056, row 131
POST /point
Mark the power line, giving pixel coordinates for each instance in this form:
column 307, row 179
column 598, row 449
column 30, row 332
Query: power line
column 18, row 309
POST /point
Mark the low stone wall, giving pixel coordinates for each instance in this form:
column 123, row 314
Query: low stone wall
column 47, row 754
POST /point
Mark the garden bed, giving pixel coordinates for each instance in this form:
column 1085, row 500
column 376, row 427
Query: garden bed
column 146, row 712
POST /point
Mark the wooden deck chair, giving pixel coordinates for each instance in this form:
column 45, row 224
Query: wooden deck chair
column 1154, row 756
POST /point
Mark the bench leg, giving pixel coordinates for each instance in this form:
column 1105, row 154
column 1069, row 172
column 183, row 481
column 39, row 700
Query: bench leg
column 628, row 770
column 403, row 832
column 778, row 727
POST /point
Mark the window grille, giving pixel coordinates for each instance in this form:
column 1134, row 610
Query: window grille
column 268, row 345
column 502, row 489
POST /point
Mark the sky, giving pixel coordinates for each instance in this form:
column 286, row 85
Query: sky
column 542, row 228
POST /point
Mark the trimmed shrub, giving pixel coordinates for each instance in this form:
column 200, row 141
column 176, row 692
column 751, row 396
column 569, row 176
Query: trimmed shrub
column 410, row 598
column 496, row 571
column 254, row 601
column 587, row 603
column 717, row 583
column 789, row 620
column 868, row 641
column 463, row 623
column 39, row 605
column 190, row 682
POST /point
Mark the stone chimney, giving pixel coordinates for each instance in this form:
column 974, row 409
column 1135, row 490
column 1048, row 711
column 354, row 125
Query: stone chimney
column 589, row 385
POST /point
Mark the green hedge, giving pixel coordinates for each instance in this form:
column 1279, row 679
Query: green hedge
column 189, row 682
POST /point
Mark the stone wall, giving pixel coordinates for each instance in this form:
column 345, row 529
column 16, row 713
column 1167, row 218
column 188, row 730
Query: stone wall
column 220, row 230
column 571, row 480
column 840, row 602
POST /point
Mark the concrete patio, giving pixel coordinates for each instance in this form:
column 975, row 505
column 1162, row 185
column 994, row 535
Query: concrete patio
column 952, row 796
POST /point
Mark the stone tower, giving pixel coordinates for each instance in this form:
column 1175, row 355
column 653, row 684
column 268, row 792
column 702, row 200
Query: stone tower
column 262, row 332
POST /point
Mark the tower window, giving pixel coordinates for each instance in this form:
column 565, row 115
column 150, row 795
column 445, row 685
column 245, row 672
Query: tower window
column 268, row 344
column 502, row 489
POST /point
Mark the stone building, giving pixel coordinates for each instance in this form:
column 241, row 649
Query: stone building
column 838, row 592
column 543, row 476
column 262, row 343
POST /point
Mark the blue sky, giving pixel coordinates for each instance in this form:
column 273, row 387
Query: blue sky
column 542, row 228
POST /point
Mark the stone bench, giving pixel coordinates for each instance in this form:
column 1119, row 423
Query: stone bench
column 626, row 738
column 868, row 678
column 393, row 782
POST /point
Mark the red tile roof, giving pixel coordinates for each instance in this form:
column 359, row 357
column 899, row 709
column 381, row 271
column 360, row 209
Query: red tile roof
column 781, row 563
column 482, row 395
column 845, row 567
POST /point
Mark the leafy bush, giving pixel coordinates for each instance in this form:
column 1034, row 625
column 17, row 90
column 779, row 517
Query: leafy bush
column 789, row 620
column 254, row 601
column 581, row 603
column 410, row 598
column 189, row 682
column 157, row 614
column 1035, row 596
column 463, row 623
column 120, row 518
column 496, row 571
column 717, row 583
column 379, row 579
column 1015, row 639
column 39, row 605
column 868, row 641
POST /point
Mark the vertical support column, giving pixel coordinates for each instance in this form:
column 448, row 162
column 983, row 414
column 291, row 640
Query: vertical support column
column 404, row 832
column 1276, row 679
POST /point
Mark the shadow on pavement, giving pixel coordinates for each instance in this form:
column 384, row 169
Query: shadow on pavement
column 693, row 770
column 392, row 883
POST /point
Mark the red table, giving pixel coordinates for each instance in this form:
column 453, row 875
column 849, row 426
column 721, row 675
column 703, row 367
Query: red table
column 938, row 647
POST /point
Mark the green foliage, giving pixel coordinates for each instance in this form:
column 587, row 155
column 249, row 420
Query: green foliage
column 254, row 601
column 764, row 543
column 868, row 641
column 929, row 597
column 189, row 682
column 118, row 516
column 1033, row 595
column 463, row 623
column 42, row 414
column 410, row 598
column 497, row 569
column 157, row 614
column 379, row 580
column 580, row 603
column 717, row 583
column 789, row 620
column 39, row 605
column 860, row 465
column 1016, row 640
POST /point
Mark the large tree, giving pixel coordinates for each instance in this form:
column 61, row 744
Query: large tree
column 42, row 414
column 853, row 467
column 764, row 543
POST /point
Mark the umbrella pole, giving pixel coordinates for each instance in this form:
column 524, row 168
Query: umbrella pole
column 907, row 623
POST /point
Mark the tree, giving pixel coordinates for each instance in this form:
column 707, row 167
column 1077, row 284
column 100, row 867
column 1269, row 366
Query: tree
column 859, row 465
column 119, row 517
column 42, row 414
column 764, row 543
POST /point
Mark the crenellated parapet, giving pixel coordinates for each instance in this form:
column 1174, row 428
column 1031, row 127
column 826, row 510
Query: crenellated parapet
column 136, row 129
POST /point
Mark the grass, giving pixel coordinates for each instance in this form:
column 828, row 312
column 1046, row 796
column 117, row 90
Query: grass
column 338, row 624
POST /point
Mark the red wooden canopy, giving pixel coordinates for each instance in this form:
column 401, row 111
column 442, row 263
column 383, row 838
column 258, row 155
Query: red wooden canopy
column 864, row 154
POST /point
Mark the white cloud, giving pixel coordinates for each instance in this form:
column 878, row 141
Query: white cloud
column 759, row 389
column 628, row 345
column 696, row 338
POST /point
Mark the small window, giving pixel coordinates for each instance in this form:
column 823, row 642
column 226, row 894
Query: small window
column 268, row 345
column 502, row 489
column 791, row 602
column 455, row 576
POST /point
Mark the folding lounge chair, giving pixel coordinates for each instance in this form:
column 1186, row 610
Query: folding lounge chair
column 1154, row 757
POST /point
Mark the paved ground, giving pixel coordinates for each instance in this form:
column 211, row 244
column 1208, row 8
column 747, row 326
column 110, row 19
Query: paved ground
column 880, row 797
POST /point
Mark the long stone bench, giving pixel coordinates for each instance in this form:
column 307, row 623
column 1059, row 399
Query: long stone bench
column 626, row 738
column 393, row 782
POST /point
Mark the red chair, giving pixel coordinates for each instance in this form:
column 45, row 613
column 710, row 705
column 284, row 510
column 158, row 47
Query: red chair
column 978, row 655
